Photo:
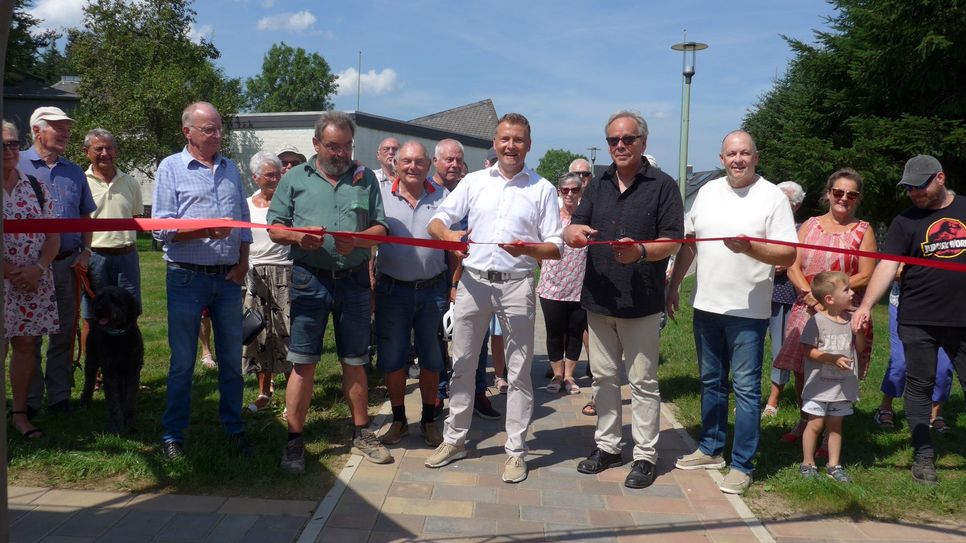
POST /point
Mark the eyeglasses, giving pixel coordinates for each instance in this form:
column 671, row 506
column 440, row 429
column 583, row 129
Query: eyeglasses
column 573, row 190
column 12, row 145
column 922, row 186
column 336, row 149
column 208, row 130
column 850, row 195
column 626, row 140
column 585, row 174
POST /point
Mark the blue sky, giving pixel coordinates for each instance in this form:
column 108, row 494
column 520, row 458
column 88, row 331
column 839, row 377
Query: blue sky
column 566, row 64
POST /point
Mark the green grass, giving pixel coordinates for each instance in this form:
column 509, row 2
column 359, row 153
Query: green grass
column 878, row 461
column 76, row 453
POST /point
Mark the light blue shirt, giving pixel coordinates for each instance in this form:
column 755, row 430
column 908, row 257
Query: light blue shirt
column 68, row 188
column 184, row 188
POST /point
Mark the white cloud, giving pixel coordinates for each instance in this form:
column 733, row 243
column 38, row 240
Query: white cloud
column 287, row 21
column 373, row 83
column 59, row 13
column 197, row 33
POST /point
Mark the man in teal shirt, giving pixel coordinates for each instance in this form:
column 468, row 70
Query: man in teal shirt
column 330, row 275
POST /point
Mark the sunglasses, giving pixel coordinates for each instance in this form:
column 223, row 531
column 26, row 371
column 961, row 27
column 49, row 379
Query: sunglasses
column 850, row 195
column 922, row 186
column 584, row 174
column 291, row 162
column 11, row 145
column 573, row 190
column 626, row 140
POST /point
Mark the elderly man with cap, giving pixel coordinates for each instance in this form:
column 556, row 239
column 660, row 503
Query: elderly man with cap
column 931, row 300
column 50, row 128
column 290, row 157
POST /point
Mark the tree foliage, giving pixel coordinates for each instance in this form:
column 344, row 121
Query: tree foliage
column 555, row 163
column 24, row 46
column 138, row 70
column 291, row 80
column 885, row 82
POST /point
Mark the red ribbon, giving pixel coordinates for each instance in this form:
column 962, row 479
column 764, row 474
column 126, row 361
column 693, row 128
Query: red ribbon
column 26, row 226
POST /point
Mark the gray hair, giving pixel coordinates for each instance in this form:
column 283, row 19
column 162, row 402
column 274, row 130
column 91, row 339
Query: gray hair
column 99, row 134
column 189, row 111
column 39, row 123
column 569, row 178
column 628, row 114
column 576, row 161
column 337, row 119
column 438, row 151
column 262, row 158
column 795, row 192
column 7, row 125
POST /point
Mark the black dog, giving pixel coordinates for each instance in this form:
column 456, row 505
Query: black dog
column 116, row 348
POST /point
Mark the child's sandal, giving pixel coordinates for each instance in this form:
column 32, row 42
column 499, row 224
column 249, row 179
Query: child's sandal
column 885, row 419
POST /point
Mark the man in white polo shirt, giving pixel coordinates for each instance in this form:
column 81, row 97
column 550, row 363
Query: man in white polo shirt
column 507, row 203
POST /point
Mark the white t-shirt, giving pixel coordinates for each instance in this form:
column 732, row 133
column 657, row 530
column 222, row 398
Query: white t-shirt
column 263, row 250
column 730, row 283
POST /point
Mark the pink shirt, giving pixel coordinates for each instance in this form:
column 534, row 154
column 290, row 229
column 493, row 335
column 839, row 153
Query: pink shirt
column 563, row 279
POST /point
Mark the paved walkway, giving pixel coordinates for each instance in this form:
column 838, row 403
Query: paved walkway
column 465, row 501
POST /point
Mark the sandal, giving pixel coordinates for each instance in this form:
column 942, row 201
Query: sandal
column 253, row 407
column 590, row 409
column 553, row 386
column 571, row 387
column 885, row 419
column 939, row 425
column 501, row 385
column 29, row 435
column 769, row 411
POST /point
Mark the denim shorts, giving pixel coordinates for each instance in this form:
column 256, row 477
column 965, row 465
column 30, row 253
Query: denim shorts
column 405, row 314
column 840, row 408
column 314, row 296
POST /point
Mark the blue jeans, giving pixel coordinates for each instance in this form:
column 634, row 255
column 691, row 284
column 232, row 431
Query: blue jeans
column 189, row 292
column 403, row 312
column 113, row 270
column 776, row 329
column 724, row 342
column 315, row 296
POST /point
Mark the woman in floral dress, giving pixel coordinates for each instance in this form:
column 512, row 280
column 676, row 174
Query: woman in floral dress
column 30, row 304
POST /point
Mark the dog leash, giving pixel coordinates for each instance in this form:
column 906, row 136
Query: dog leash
column 76, row 349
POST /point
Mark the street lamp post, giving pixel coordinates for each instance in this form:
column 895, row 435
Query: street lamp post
column 593, row 157
column 690, row 49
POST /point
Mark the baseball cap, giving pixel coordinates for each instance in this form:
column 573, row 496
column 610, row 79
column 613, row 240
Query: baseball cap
column 288, row 149
column 918, row 169
column 48, row 113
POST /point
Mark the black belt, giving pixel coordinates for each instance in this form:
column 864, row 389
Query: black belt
column 67, row 254
column 113, row 251
column 214, row 269
column 335, row 274
column 417, row 285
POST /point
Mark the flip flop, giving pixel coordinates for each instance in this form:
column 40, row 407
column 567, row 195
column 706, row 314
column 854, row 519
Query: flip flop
column 253, row 407
column 29, row 435
column 553, row 386
column 590, row 409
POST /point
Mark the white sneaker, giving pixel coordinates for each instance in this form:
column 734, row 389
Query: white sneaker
column 515, row 469
column 445, row 454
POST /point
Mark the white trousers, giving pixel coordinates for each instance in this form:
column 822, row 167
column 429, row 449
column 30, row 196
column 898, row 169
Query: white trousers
column 631, row 346
column 514, row 304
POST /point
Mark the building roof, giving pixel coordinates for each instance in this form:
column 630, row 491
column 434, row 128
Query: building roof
column 477, row 119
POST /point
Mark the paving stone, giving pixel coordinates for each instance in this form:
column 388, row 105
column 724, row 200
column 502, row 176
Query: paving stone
column 395, row 537
column 497, row 511
column 231, row 528
column 262, row 507
column 459, row 509
column 352, row 514
column 412, row 490
column 518, row 530
column 573, row 499
column 656, row 490
column 514, row 495
column 884, row 530
column 90, row 522
column 273, row 529
column 39, row 522
column 394, row 522
column 137, row 525
column 438, row 476
column 445, row 525
column 177, row 502
column 612, row 519
column 551, row 515
column 71, row 498
column 564, row 532
column 342, row 535
column 654, row 505
column 194, row 526
column 66, row 539
column 459, row 492
column 24, row 494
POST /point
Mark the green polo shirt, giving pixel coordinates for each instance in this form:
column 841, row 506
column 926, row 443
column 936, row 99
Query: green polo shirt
column 305, row 198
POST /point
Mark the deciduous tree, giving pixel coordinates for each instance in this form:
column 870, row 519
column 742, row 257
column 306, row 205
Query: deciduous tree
column 555, row 163
column 291, row 80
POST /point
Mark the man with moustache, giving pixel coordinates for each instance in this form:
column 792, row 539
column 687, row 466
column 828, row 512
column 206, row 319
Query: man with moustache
column 733, row 301
column 931, row 300
column 624, row 292
column 205, row 269
column 290, row 157
column 386, row 155
column 507, row 203
column 411, row 293
column 50, row 128
column 330, row 276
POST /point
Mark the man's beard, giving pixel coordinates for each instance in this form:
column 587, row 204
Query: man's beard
column 336, row 166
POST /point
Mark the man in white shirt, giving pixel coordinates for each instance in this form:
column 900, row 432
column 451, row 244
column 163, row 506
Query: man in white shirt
column 386, row 155
column 507, row 203
column 733, row 301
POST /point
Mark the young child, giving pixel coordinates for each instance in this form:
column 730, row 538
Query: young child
column 831, row 371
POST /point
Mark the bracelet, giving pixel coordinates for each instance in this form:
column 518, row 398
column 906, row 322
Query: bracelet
column 454, row 285
column 643, row 253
